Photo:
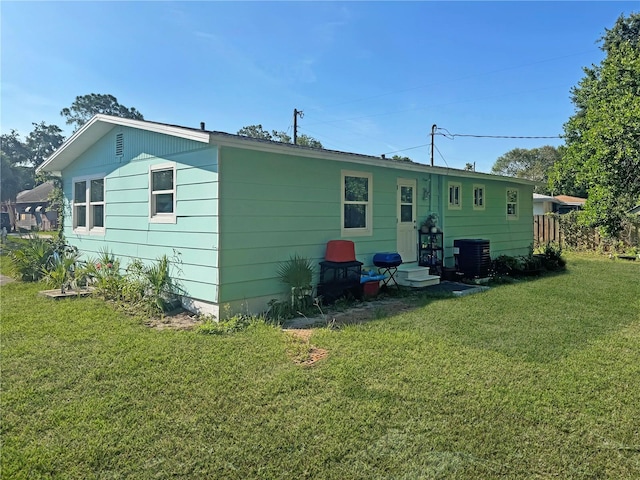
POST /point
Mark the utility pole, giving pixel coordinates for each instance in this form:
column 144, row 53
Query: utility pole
column 296, row 113
column 433, row 132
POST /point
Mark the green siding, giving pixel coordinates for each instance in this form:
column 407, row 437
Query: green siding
column 273, row 206
column 191, row 243
column 238, row 216
column 507, row 237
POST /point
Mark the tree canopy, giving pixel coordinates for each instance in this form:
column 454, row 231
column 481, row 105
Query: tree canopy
column 86, row 106
column 603, row 136
column 257, row 131
column 532, row 164
column 21, row 158
column 17, row 174
column 42, row 142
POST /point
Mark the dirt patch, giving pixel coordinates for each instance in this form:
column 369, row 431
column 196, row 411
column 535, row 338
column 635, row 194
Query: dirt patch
column 176, row 320
column 358, row 313
column 301, row 351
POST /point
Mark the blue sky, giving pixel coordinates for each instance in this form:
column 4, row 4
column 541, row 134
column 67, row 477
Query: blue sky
column 370, row 77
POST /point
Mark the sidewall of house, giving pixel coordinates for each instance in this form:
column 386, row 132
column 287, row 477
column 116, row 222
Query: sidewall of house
column 274, row 206
column 191, row 243
column 507, row 235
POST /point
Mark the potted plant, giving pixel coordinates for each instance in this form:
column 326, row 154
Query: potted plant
column 430, row 223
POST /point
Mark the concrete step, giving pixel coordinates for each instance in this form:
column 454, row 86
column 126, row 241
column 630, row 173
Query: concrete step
column 411, row 272
column 426, row 281
column 418, row 279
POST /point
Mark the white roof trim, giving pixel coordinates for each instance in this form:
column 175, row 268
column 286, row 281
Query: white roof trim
column 99, row 126
column 249, row 143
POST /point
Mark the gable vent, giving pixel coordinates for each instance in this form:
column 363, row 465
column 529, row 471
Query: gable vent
column 119, row 145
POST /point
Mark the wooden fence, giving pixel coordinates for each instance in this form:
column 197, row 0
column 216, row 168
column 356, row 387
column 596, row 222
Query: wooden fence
column 568, row 233
column 546, row 229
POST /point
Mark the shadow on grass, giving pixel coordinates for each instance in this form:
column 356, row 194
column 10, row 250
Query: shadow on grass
column 540, row 319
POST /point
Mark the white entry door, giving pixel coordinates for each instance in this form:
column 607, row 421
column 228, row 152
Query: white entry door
column 407, row 234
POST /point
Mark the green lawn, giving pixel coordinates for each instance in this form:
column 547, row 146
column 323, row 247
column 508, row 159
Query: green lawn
column 536, row 379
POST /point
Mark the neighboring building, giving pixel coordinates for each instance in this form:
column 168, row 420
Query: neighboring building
column 570, row 203
column 559, row 204
column 31, row 208
column 230, row 209
column 545, row 204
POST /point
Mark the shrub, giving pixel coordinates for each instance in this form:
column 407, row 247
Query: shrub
column 32, row 260
column 552, row 257
column 104, row 275
column 297, row 273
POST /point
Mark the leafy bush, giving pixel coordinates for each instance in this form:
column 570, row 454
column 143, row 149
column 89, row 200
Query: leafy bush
column 104, row 275
column 505, row 265
column 552, row 257
column 64, row 271
column 297, row 273
column 32, row 260
column 149, row 286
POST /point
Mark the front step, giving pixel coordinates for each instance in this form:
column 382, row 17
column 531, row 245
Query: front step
column 416, row 276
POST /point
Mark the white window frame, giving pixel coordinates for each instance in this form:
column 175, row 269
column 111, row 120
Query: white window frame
column 368, row 229
column 516, row 209
column 88, row 229
column 453, row 205
column 479, row 205
column 159, row 217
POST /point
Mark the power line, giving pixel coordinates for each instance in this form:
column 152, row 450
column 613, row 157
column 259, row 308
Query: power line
column 405, row 149
column 441, row 156
column 453, row 135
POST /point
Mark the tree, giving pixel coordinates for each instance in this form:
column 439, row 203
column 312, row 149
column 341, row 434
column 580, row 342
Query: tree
column 42, row 142
column 398, row 158
column 257, row 131
column 533, row 164
column 17, row 174
column 307, row 141
column 603, row 136
column 86, row 106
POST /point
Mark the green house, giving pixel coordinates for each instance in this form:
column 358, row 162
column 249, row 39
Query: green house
column 229, row 209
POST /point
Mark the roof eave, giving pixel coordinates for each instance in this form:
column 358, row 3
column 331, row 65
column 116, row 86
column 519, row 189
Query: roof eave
column 99, row 126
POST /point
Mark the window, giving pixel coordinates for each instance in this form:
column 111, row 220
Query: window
column 356, row 203
column 162, row 193
column 512, row 203
column 478, row 197
column 88, row 205
column 455, row 196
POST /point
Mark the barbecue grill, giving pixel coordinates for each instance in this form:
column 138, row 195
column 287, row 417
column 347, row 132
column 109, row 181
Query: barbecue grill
column 388, row 263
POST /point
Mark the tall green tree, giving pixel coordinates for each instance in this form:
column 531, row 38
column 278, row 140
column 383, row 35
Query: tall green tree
column 86, row 106
column 603, row 136
column 532, row 164
column 42, row 142
column 257, row 131
column 17, row 173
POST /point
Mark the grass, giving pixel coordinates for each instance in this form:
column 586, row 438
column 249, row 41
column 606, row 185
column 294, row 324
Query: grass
column 534, row 379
